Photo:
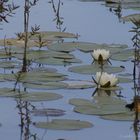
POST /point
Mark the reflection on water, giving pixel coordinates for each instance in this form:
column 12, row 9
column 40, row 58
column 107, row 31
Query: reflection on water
column 58, row 18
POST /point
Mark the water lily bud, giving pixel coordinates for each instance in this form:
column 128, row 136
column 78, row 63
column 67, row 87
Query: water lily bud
column 106, row 80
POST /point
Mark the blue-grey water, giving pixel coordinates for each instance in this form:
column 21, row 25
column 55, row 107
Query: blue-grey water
column 94, row 23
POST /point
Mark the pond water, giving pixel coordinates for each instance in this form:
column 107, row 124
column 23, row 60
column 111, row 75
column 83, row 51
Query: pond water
column 94, row 22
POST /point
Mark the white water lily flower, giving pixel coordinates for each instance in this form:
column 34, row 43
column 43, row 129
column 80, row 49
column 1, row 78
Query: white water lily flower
column 106, row 80
column 101, row 54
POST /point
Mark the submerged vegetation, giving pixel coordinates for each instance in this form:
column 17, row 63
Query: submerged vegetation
column 25, row 60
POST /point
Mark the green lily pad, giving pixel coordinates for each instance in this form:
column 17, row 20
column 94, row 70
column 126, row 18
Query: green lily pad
column 16, row 43
column 48, row 112
column 32, row 76
column 80, row 84
column 101, row 106
column 40, row 96
column 128, row 116
column 3, row 55
column 44, row 86
column 54, row 34
column 63, row 47
column 125, row 80
column 124, row 55
column 126, row 74
column 85, row 46
column 92, row 69
column 37, row 54
column 9, row 64
column 80, row 102
column 57, row 61
column 9, row 92
column 109, row 100
column 134, row 18
column 102, row 110
column 34, row 40
column 64, row 124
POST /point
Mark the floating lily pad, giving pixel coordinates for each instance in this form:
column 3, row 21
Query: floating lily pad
column 85, row 46
column 92, row 69
column 3, row 55
column 126, row 74
column 88, row 47
column 64, row 124
column 57, row 61
column 125, row 80
column 99, row 107
column 44, row 69
column 40, row 96
column 102, row 110
column 80, row 102
column 128, row 116
column 32, row 76
column 124, row 55
column 36, row 54
column 9, row 64
column 33, row 40
column 47, row 85
column 47, row 34
column 63, row 47
column 48, row 112
column 134, row 18
column 16, row 42
column 80, row 84
column 109, row 100
column 9, row 92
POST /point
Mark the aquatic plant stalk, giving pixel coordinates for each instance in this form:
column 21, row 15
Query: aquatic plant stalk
column 26, row 24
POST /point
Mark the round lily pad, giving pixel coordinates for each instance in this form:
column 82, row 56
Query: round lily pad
column 48, row 112
column 63, row 47
column 57, row 61
column 9, row 92
column 55, row 34
column 125, row 80
column 40, row 96
column 85, row 46
column 92, row 69
column 128, row 116
column 9, row 64
column 80, row 102
column 32, row 76
column 47, row 85
column 100, row 110
column 37, row 54
column 99, row 106
column 64, row 124
column 79, row 84
column 134, row 18
column 124, row 55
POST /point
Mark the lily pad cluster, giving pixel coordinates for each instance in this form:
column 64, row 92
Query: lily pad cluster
column 105, row 105
column 50, row 48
